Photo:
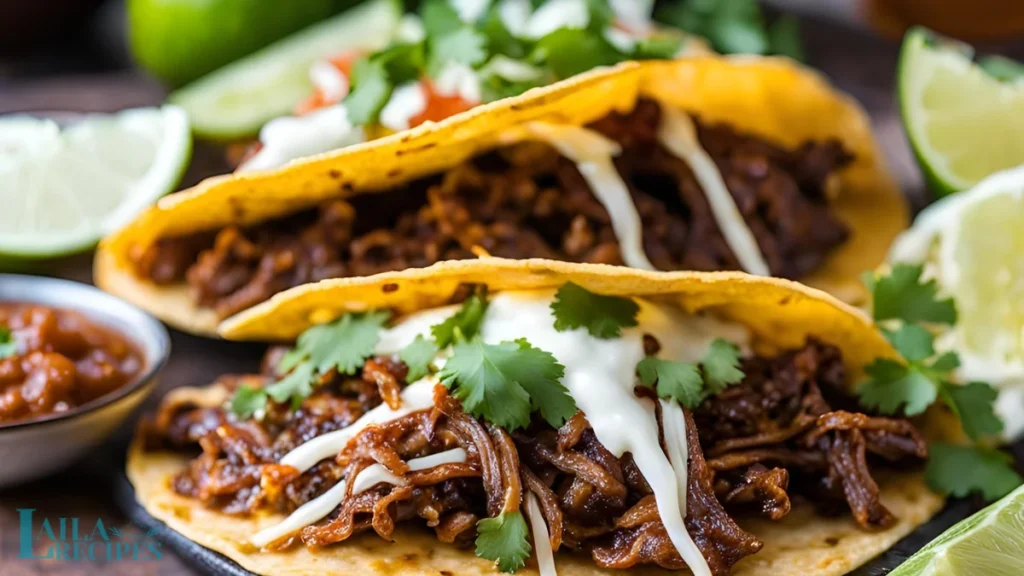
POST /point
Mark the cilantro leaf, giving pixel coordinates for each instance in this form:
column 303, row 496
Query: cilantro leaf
column 892, row 385
column 947, row 362
column 662, row 47
column 402, row 62
column 505, row 540
column 344, row 344
column 961, row 470
column 439, row 18
column 973, row 404
column 463, row 325
column 721, row 366
column 504, row 383
column 784, row 38
column 913, row 342
column 499, row 39
column 679, row 381
column 461, row 46
column 417, row 357
column 901, row 295
column 247, row 401
column 8, row 347
column 370, row 94
column 602, row 316
column 571, row 51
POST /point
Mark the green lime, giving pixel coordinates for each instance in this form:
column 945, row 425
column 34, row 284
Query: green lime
column 962, row 121
column 181, row 40
column 991, row 543
column 235, row 101
column 62, row 190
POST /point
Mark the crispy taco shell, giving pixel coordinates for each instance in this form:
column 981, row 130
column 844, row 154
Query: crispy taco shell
column 768, row 98
column 780, row 313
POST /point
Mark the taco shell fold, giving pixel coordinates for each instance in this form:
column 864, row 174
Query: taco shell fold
column 767, row 97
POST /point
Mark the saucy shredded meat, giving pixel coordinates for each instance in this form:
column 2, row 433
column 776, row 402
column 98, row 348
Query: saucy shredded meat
column 53, row 360
column 527, row 201
column 752, row 448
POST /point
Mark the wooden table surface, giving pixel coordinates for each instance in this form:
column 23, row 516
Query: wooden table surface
column 858, row 63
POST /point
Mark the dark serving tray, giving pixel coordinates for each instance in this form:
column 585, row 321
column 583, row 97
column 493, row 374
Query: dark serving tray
column 207, row 561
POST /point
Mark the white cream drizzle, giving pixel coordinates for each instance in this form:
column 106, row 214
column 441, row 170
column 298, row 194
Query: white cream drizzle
column 289, row 137
column 371, row 476
column 541, row 538
column 593, row 154
column 599, row 375
column 678, row 134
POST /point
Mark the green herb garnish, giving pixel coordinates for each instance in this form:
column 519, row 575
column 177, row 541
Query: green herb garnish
column 735, row 26
column 417, row 356
column 505, row 540
column 342, row 345
column 688, row 383
column 8, row 347
column 463, row 325
column 908, row 309
column 602, row 316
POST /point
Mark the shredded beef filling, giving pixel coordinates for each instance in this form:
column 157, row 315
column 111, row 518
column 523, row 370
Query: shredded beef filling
column 527, row 201
column 751, row 449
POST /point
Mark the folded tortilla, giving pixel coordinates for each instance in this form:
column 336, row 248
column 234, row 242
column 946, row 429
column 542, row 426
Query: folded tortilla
column 779, row 313
column 770, row 98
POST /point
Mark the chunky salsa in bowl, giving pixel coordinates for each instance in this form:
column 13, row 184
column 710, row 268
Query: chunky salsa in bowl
column 53, row 360
column 74, row 363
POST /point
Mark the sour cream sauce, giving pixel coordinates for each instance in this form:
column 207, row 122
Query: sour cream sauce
column 600, row 375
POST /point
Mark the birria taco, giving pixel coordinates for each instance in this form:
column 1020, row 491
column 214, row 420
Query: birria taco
column 540, row 416
column 706, row 163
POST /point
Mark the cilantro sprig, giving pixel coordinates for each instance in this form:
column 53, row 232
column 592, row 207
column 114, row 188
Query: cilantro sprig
column 8, row 347
column 689, row 383
column 505, row 540
column 908, row 311
column 342, row 346
column 736, row 26
column 602, row 316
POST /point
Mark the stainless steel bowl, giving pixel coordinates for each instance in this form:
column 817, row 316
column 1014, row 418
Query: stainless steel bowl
column 32, row 448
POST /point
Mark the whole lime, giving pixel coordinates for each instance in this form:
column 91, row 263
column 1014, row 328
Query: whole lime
column 181, row 40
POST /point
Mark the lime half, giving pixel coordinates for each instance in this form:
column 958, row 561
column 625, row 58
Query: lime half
column 991, row 543
column 235, row 101
column 63, row 189
column 962, row 122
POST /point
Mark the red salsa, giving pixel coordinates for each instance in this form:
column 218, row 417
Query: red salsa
column 53, row 360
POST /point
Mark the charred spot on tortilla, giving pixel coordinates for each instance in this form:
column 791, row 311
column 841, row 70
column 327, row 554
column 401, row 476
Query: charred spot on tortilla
column 527, row 200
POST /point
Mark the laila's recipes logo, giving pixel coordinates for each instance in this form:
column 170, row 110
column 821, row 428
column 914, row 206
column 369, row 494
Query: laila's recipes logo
column 69, row 540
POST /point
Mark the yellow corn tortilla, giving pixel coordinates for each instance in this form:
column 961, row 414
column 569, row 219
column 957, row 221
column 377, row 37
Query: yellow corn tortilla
column 780, row 313
column 772, row 98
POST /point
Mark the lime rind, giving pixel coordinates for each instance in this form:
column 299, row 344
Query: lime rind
column 55, row 182
column 946, row 554
column 973, row 130
column 235, row 101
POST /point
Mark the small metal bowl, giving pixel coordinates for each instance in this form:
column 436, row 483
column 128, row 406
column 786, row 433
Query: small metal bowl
column 36, row 447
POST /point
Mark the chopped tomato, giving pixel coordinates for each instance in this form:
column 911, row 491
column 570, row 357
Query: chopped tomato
column 343, row 62
column 439, row 107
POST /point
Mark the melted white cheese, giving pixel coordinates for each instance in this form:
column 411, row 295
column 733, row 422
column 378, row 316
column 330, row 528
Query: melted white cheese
column 541, row 538
column 600, row 375
column 407, row 101
column 417, row 396
column 556, row 14
column 371, row 476
column 678, row 134
column 332, row 84
column 593, row 154
column 289, row 137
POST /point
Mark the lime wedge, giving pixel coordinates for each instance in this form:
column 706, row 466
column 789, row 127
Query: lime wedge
column 235, row 101
column 62, row 190
column 962, row 122
column 991, row 543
